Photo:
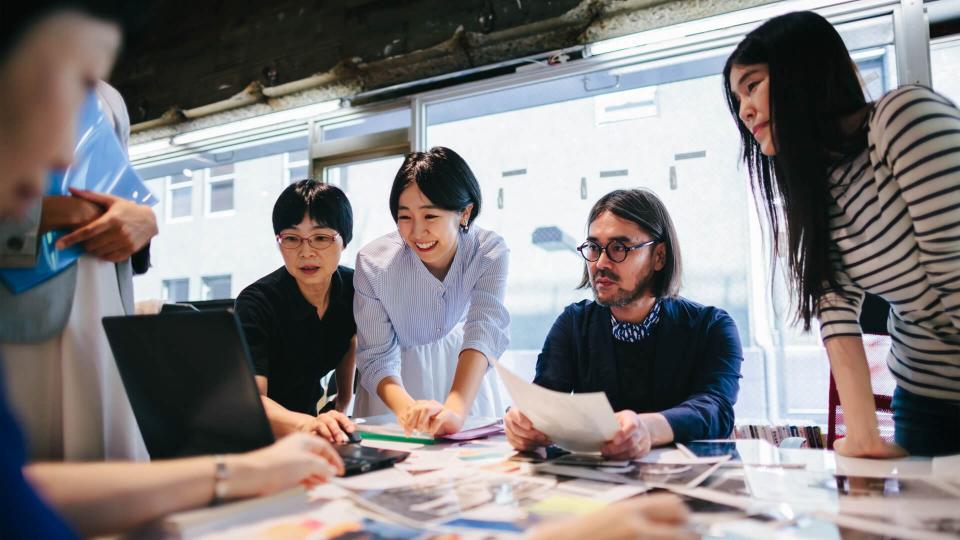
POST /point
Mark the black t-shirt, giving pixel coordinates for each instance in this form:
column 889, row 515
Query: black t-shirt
column 291, row 346
column 635, row 374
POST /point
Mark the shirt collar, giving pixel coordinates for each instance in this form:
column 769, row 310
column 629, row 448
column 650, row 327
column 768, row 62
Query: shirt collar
column 300, row 308
column 636, row 332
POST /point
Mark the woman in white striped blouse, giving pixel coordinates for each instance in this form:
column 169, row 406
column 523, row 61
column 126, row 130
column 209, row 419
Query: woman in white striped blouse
column 429, row 302
column 867, row 196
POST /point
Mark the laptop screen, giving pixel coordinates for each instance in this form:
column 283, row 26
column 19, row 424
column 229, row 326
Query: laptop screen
column 189, row 379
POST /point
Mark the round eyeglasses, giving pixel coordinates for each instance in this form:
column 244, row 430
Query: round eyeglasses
column 616, row 250
column 316, row 241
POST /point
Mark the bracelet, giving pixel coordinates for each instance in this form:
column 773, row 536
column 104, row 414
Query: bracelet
column 220, row 476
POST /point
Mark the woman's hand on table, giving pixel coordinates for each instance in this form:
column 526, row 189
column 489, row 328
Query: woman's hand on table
column 429, row 416
column 874, row 448
column 332, row 426
column 296, row 458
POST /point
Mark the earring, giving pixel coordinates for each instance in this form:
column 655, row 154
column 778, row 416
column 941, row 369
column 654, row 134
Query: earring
column 464, row 227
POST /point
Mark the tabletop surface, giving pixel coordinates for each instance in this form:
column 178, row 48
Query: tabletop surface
column 483, row 489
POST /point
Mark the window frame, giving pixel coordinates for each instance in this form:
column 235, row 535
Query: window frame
column 204, row 287
column 169, row 189
column 164, row 287
column 210, row 180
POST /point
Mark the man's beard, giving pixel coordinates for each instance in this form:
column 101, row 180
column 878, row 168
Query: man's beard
column 622, row 297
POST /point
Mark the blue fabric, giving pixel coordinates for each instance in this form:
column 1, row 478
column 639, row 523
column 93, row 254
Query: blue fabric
column 636, row 332
column 23, row 514
column 100, row 164
column 696, row 366
column 925, row 426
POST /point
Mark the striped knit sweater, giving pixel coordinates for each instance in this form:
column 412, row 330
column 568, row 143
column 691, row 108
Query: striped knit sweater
column 895, row 226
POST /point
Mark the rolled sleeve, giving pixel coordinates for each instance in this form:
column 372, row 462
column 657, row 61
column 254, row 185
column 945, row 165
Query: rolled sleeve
column 838, row 310
column 487, row 328
column 708, row 412
column 378, row 350
column 18, row 239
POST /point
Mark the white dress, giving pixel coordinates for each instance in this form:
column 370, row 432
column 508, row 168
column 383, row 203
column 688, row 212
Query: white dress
column 66, row 391
column 427, row 373
column 413, row 326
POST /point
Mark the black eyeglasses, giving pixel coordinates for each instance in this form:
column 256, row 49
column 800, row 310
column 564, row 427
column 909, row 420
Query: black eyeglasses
column 316, row 241
column 616, row 250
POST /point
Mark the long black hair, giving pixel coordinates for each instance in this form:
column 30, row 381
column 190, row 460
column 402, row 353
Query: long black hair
column 813, row 83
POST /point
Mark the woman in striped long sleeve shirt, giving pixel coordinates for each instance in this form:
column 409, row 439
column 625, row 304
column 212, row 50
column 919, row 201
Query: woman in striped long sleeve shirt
column 867, row 196
column 429, row 302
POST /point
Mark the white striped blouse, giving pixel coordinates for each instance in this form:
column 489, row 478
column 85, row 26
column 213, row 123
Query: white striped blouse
column 399, row 303
column 895, row 225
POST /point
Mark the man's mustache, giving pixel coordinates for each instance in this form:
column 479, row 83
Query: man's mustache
column 604, row 273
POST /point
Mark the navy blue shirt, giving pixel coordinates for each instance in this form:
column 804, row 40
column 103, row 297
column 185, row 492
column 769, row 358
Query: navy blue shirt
column 691, row 375
column 23, row 514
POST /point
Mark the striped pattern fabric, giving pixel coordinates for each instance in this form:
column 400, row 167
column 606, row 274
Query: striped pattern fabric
column 895, row 225
column 399, row 303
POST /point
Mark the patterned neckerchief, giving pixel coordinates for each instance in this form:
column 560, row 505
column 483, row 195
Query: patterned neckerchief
column 636, row 332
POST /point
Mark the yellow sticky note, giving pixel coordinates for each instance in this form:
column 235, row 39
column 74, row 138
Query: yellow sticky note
column 567, row 505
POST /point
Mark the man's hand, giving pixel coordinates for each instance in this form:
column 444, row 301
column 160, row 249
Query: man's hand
column 521, row 433
column 62, row 212
column 123, row 229
column 631, row 442
column 332, row 426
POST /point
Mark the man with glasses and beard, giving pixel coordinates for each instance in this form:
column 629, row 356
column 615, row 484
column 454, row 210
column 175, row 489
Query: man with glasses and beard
column 669, row 366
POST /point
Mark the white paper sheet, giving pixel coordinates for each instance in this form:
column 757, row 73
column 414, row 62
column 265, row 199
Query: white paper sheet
column 576, row 422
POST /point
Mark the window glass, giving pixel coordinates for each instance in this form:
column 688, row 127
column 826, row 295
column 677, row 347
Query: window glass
column 176, row 290
column 945, row 65
column 216, row 287
column 234, row 235
column 367, row 185
column 663, row 126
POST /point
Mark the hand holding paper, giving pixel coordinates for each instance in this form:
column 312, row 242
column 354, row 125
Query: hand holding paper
column 577, row 422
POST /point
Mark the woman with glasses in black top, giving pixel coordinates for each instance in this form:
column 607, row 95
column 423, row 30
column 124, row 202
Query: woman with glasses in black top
column 298, row 320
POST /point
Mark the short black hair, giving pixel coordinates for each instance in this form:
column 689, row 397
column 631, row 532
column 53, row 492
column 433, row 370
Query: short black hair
column 327, row 205
column 643, row 207
column 443, row 176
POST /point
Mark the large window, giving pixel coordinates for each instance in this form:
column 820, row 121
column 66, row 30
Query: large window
column 945, row 65
column 545, row 144
column 546, row 150
column 233, row 235
column 367, row 184
column 296, row 166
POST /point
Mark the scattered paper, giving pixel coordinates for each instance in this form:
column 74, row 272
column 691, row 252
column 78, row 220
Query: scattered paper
column 437, row 498
column 576, row 422
column 382, row 479
column 676, row 456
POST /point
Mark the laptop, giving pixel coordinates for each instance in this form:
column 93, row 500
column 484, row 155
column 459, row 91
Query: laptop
column 189, row 379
